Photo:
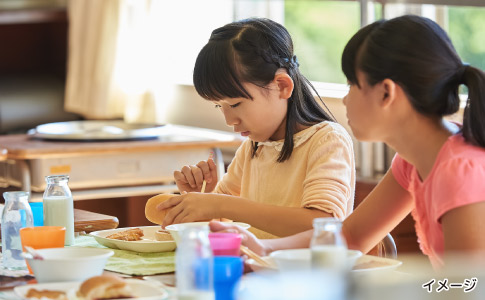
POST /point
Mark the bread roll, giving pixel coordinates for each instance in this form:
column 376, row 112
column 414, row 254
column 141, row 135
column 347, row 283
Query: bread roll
column 152, row 214
column 104, row 287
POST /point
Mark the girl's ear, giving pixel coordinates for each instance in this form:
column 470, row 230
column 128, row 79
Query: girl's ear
column 284, row 83
column 388, row 92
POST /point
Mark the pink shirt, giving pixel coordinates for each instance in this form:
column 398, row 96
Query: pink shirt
column 456, row 179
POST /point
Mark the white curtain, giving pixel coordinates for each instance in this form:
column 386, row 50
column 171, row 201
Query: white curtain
column 125, row 56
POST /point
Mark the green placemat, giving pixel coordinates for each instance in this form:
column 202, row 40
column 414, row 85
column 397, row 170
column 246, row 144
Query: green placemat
column 132, row 263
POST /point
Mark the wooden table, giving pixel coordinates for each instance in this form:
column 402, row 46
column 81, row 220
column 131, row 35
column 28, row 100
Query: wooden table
column 83, row 221
column 89, row 221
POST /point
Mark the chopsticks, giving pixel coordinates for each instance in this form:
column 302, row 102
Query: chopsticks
column 254, row 256
column 204, row 182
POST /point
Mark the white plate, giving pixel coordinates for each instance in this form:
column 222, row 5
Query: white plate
column 147, row 244
column 371, row 263
column 365, row 263
column 142, row 290
column 96, row 130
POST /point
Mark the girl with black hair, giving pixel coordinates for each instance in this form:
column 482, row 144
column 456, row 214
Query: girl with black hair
column 296, row 165
column 404, row 76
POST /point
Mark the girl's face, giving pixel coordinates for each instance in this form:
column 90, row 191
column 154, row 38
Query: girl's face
column 262, row 118
column 362, row 104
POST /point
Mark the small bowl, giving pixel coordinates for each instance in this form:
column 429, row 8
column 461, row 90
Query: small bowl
column 294, row 259
column 68, row 264
column 174, row 229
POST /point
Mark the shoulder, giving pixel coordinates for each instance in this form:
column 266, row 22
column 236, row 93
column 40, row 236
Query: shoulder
column 331, row 131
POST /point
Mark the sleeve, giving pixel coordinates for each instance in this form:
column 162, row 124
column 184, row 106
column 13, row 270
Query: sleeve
column 230, row 184
column 401, row 170
column 457, row 182
column 330, row 180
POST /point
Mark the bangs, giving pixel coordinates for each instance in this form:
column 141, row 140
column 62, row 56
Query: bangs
column 351, row 51
column 215, row 75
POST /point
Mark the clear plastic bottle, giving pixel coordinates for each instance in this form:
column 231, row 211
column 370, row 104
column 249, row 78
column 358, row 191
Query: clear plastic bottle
column 59, row 205
column 194, row 265
column 16, row 214
column 328, row 245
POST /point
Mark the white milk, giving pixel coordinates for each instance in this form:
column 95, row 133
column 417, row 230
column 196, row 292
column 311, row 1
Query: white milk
column 329, row 257
column 59, row 211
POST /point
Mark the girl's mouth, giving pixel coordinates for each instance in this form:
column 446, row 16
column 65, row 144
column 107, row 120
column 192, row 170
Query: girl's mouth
column 245, row 133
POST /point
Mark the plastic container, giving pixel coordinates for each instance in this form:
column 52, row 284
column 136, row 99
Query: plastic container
column 16, row 215
column 225, row 243
column 59, row 205
column 194, row 265
column 37, row 213
column 41, row 237
column 228, row 271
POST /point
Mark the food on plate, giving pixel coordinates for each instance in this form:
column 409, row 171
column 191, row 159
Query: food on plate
column 133, row 234
column 45, row 294
column 163, row 235
column 370, row 264
column 104, row 287
column 152, row 214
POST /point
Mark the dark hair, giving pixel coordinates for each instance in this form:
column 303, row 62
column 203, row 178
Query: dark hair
column 251, row 51
column 417, row 54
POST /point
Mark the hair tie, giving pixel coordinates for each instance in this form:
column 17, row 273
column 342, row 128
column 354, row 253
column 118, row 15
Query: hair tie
column 291, row 63
column 461, row 72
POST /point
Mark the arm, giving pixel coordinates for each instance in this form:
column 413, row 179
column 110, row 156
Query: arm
column 200, row 207
column 382, row 210
column 264, row 247
column 464, row 230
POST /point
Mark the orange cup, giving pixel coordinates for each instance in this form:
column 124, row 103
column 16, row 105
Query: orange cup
column 41, row 237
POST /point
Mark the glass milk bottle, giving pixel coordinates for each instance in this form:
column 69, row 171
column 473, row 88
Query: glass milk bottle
column 59, row 205
column 328, row 245
column 194, row 265
column 16, row 214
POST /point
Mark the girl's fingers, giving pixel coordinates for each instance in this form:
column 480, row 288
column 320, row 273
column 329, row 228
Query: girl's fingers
column 198, row 176
column 213, row 169
column 187, row 172
column 179, row 176
column 206, row 172
column 169, row 203
column 172, row 214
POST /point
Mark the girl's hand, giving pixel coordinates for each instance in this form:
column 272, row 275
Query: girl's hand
column 191, row 207
column 190, row 178
column 247, row 238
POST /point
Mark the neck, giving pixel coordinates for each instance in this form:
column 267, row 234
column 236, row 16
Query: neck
column 420, row 141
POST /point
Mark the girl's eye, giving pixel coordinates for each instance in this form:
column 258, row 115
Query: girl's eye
column 235, row 105
column 217, row 106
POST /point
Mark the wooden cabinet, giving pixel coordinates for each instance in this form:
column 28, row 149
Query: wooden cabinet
column 33, row 59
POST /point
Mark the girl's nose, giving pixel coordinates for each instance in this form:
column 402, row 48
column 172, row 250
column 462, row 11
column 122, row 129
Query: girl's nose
column 231, row 119
column 345, row 100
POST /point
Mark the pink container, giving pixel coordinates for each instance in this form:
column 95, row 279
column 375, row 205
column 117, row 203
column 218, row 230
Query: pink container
column 225, row 243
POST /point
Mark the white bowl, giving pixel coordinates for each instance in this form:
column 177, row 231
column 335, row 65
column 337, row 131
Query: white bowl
column 174, row 229
column 68, row 264
column 297, row 259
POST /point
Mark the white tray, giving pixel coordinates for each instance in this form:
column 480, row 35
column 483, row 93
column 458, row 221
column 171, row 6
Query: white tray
column 90, row 130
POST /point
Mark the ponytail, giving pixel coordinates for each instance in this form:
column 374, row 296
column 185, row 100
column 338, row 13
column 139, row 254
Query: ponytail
column 474, row 114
